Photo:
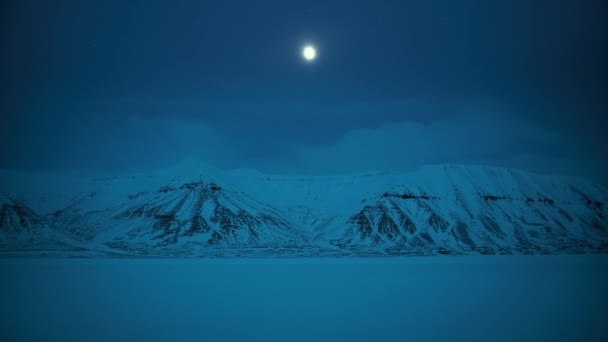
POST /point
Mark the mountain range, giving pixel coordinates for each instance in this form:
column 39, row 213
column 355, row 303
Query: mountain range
column 194, row 211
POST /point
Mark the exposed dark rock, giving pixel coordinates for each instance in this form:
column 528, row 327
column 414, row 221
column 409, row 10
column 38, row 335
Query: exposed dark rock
column 423, row 196
column 215, row 238
column 461, row 233
column 166, row 189
column 215, row 187
column 134, row 196
column 494, row 197
column 492, row 226
column 191, row 185
column 592, row 203
column 427, row 237
column 546, row 200
column 437, row 222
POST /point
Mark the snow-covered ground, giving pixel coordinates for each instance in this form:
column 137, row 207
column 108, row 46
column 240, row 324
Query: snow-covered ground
column 467, row 298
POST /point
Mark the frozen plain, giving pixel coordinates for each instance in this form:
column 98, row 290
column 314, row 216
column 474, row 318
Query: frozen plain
column 443, row 298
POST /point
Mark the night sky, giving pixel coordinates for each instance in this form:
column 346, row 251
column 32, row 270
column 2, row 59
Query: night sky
column 133, row 85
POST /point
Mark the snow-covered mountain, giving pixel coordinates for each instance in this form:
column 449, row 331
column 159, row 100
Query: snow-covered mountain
column 18, row 222
column 486, row 210
column 24, row 230
column 180, row 218
column 441, row 209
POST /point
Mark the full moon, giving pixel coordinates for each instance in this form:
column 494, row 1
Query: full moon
column 309, row 53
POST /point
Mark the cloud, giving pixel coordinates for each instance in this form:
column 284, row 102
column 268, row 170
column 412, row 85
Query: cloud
column 480, row 137
column 98, row 143
column 306, row 138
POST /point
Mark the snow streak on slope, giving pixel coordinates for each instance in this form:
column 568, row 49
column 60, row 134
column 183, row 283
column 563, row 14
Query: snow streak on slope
column 441, row 209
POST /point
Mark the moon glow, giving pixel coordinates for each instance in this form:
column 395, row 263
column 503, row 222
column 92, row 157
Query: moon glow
column 309, row 53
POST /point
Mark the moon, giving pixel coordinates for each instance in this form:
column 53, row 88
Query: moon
column 309, row 53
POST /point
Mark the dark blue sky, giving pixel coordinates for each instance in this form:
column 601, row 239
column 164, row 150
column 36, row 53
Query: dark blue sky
column 123, row 85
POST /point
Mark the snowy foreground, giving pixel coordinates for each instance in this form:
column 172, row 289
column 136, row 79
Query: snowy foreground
column 445, row 298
